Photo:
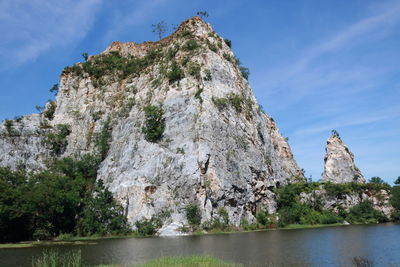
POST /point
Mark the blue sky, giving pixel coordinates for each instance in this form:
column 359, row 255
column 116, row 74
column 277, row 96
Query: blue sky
column 315, row 65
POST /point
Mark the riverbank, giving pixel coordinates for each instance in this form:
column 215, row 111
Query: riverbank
column 90, row 240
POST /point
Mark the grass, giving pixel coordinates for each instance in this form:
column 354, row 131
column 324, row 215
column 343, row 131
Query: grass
column 29, row 244
column 53, row 258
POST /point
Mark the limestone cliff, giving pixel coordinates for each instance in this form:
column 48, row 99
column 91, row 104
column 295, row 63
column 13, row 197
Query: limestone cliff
column 218, row 149
column 339, row 163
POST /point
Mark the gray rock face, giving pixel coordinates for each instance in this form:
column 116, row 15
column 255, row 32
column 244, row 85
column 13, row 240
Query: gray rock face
column 380, row 200
column 22, row 143
column 339, row 163
column 218, row 148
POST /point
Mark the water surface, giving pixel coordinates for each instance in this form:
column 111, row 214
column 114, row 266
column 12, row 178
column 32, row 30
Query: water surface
column 333, row 246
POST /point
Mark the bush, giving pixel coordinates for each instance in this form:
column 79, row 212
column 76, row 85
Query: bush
column 228, row 42
column 364, row 212
column 57, row 141
column 194, row 70
column 207, row 75
column 328, row 217
column 190, row 45
column 147, row 227
column 362, row 262
column 245, row 225
column 224, row 216
column 50, row 109
column 220, row 103
column 193, row 215
column 238, row 102
column 262, row 218
column 172, row 52
column 175, row 74
column 197, row 95
column 245, row 72
column 9, row 126
column 154, row 123
column 103, row 139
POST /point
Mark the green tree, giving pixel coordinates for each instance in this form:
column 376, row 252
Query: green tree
column 397, row 181
column 103, row 139
column 335, row 133
column 202, row 14
column 376, row 180
column 57, row 140
column 154, row 123
column 54, row 89
column 85, row 56
column 102, row 215
column 364, row 212
column 159, row 29
column 193, row 215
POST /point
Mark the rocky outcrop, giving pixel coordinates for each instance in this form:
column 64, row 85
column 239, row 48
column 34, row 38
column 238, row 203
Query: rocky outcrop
column 380, row 200
column 339, row 163
column 218, row 149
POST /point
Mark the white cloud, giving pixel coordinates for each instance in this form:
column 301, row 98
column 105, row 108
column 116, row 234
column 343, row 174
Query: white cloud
column 372, row 27
column 346, row 122
column 29, row 28
column 303, row 74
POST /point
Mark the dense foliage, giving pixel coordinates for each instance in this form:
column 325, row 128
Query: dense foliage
column 193, row 215
column 364, row 212
column 103, row 139
column 65, row 199
column 292, row 210
column 113, row 65
column 395, row 202
column 57, row 139
column 154, row 123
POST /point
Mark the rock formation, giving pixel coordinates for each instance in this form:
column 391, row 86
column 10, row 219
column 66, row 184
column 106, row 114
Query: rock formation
column 339, row 163
column 217, row 149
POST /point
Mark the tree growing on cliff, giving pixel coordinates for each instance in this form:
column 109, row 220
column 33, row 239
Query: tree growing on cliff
column 54, row 89
column 202, row 14
column 159, row 29
column 85, row 56
column 335, row 133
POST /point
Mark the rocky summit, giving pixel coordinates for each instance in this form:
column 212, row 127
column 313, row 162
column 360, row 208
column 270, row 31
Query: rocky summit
column 175, row 123
column 339, row 163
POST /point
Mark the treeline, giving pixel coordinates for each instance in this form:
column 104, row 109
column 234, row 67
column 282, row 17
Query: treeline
column 65, row 199
column 293, row 209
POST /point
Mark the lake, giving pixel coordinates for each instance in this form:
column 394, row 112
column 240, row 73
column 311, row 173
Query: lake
column 332, row 246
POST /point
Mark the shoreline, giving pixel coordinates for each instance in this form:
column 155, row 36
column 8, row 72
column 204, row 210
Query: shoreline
column 90, row 239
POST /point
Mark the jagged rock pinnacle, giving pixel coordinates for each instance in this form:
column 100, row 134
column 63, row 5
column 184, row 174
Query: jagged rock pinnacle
column 339, row 163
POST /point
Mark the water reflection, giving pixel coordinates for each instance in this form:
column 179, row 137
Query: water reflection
column 334, row 246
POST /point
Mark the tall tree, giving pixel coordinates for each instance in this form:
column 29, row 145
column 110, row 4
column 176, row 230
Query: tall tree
column 160, row 28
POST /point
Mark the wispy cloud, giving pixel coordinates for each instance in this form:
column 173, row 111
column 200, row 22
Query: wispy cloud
column 375, row 26
column 346, row 121
column 307, row 72
column 29, row 28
